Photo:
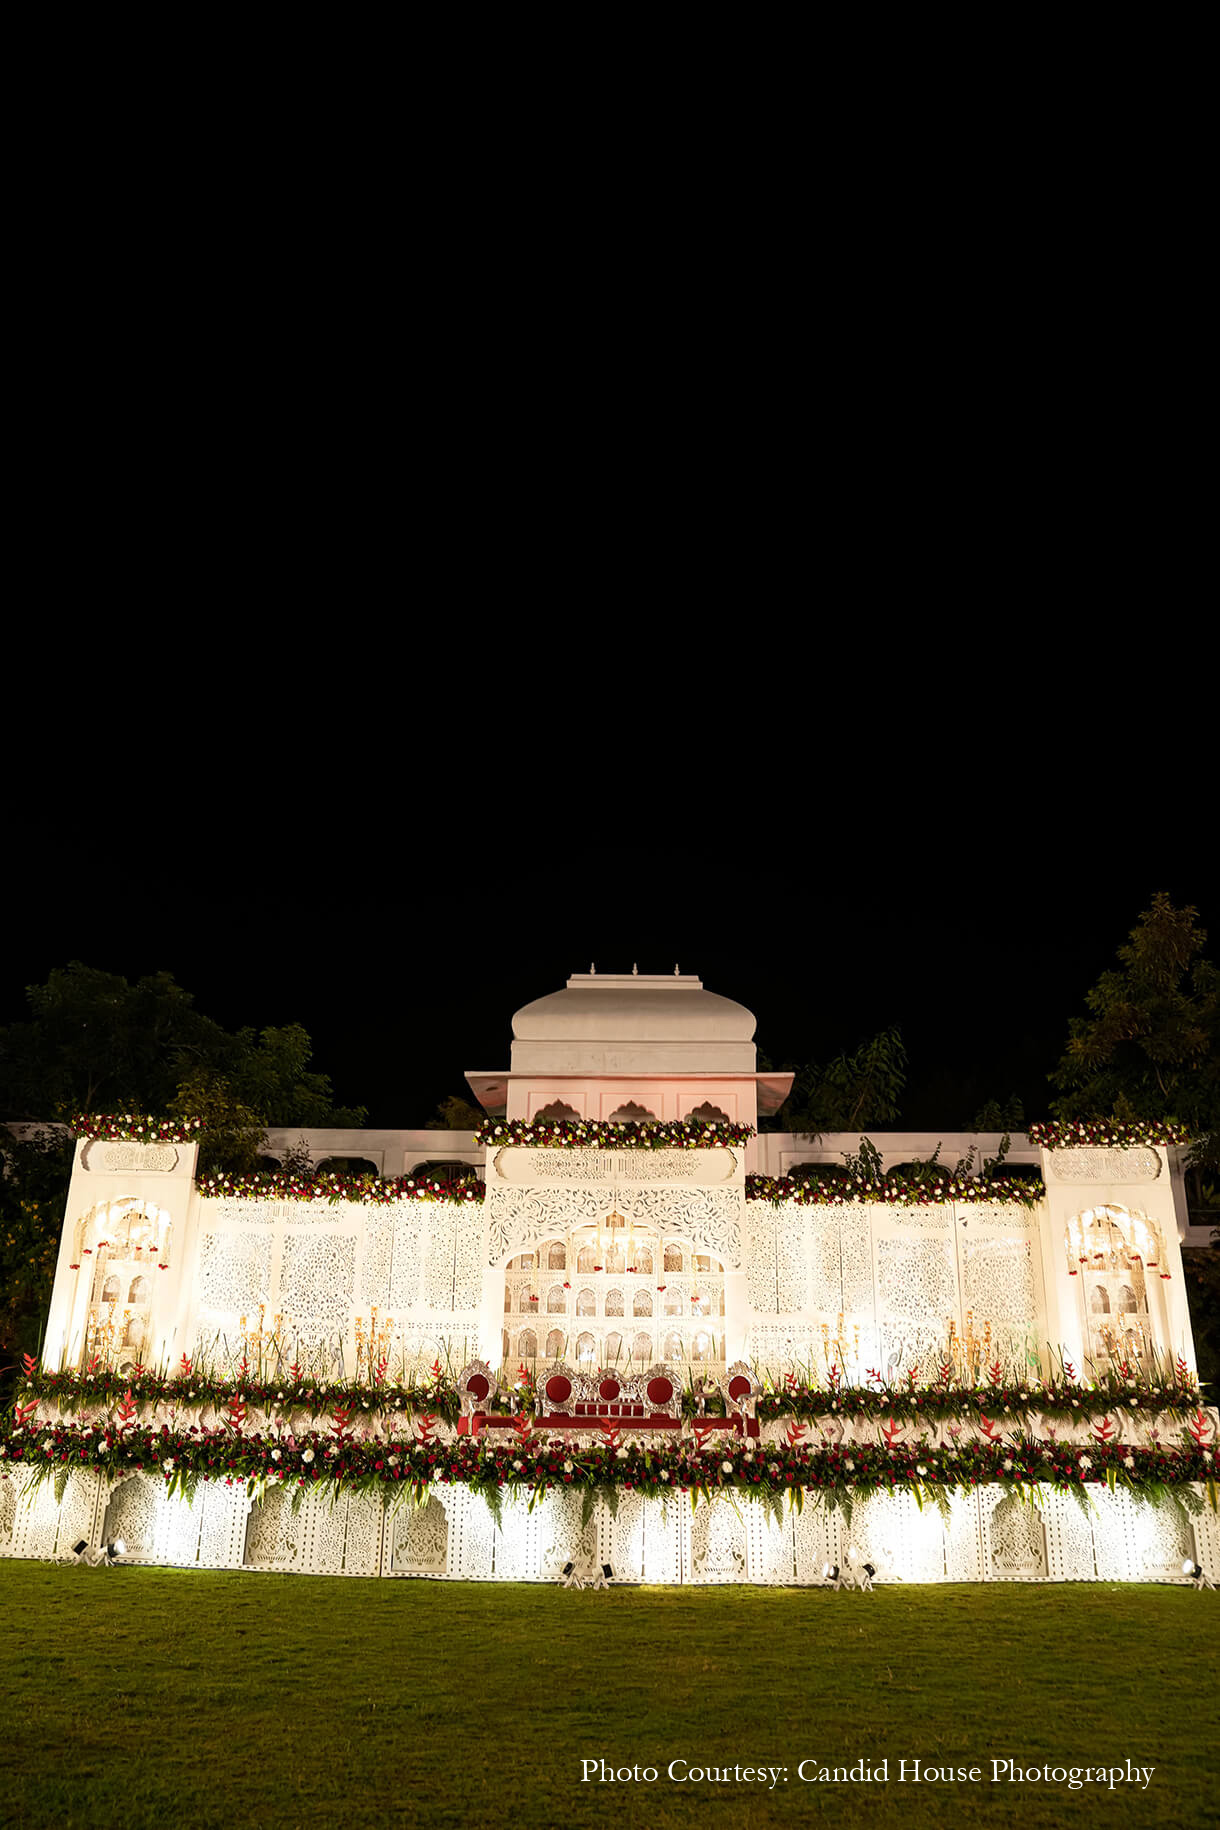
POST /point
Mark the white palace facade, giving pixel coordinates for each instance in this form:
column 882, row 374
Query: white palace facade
column 589, row 1257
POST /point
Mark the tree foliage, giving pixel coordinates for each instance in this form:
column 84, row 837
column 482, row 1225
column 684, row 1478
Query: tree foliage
column 850, row 1093
column 1150, row 1045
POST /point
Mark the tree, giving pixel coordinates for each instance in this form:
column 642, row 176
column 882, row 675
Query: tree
column 35, row 1170
column 1150, row 1046
column 850, row 1093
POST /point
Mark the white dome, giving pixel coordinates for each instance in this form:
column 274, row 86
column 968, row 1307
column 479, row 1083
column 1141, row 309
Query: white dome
column 615, row 1022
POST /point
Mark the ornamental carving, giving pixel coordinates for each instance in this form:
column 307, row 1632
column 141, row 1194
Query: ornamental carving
column 113, row 1159
column 318, row 1279
column 524, row 1217
column 998, row 1275
column 234, row 1271
column 1139, row 1165
column 1018, row 1542
column 525, row 1168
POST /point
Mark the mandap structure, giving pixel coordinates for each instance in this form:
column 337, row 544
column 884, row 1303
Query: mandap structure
column 588, row 1332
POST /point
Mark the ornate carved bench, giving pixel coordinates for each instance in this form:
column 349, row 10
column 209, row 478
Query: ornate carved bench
column 570, row 1400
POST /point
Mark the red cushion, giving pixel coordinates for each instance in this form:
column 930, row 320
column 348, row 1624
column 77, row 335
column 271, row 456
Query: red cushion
column 558, row 1389
column 660, row 1391
column 478, row 1386
column 739, row 1387
column 608, row 1389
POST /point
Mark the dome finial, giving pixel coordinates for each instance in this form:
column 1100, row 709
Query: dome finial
column 592, row 970
column 635, row 971
column 677, row 972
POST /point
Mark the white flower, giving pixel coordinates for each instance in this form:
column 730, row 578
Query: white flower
column 1207, row 1454
column 664, row 1474
column 850, row 1466
column 1075, row 1404
column 773, row 1467
column 1006, row 1464
column 275, row 1455
column 622, row 1454
column 393, row 1462
column 567, row 1467
column 168, row 1464
column 1084, row 1461
column 308, row 1455
column 726, row 1467
column 1128, row 1461
column 49, row 1448
column 279, row 1394
column 3, row 1450
column 518, row 1465
column 920, row 1469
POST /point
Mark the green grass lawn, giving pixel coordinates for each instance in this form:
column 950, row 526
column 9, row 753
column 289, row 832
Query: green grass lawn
column 155, row 1696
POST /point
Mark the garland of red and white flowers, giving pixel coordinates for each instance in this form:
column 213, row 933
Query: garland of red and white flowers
column 896, row 1190
column 598, row 1134
column 370, row 1190
column 1110, row 1133
column 136, row 1128
column 830, row 1475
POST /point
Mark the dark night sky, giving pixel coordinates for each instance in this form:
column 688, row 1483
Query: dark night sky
column 407, row 973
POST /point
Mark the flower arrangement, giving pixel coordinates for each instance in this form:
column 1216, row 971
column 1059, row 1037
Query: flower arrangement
column 135, row 1128
column 599, row 1134
column 401, row 1467
column 896, row 1190
column 1113, row 1133
column 281, row 1185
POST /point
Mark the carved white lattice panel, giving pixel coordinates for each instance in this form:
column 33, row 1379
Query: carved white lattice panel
column 792, row 1259
column 917, row 1296
column 417, row 1539
column 825, row 1282
column 41, row 1527
column 362, row 1543
column 1163, row 1539
column 816, row 1535
column 276, row 1537
column 963, row 1539
column 471, row 1535
column 327, row 1534
column 761, row 1287
column 644, row 1542
column 889, row 1531
column 318, row 1280
column 716, row 1538
column 222, row 1524
column 375, row 1260
column 561, row 1538
column 998, row 1279
column 1116, row 1537
column 1206, row 1528
column 469, row 1228
column 516, row 1550
column 770, row 1551
column 1069, row 1539
column 234, row 1274
column 855, row 1230
column 406, row 1260
column 10, row 1496
column 134, row 1513
column 1014, row 1539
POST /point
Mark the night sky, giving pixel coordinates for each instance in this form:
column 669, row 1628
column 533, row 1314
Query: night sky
column 406, row 969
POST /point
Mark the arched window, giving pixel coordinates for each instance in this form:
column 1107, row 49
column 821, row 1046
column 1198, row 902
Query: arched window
column 614, row 1258
column 586, row 1303
column 527, row 1344
column 524, row 1263
column 556, row 1299
column 631, row 1113
column 133, row 1334
column 673, row 1258
column 554, row 1344
column 557, row 1258
column 673, row 1303
column 643, row 1259
column 110, row 1290
column 641, row 1303
column 586, row 1258
column 1099, row 1302
column 705, row 1262
column 138, row 1292
column 508, row 1299
column 613, row 1349
column 586, row 1350
column 673, row 1347
column 702, row 1349
column 557, row 1108
column 1127, row 1304
column 614, row 1302
column 527, row 1302
column 642, row 1350
column 703, row 1306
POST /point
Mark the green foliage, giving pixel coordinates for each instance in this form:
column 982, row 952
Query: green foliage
column 850, row 1093
column 34, row 1176
column 456, row 1114
column 233, row 1131
column 1150, row 1045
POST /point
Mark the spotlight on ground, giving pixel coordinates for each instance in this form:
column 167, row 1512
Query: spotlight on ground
column 1196, row 1575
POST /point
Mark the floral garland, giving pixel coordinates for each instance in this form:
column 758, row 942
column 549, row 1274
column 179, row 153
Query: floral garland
column 831, row 1476
column 1115, row 1133
column 135, row 1128
column 897, row 1190
column 280, row 1185
column 599, row 1134
column 1003, row 1402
